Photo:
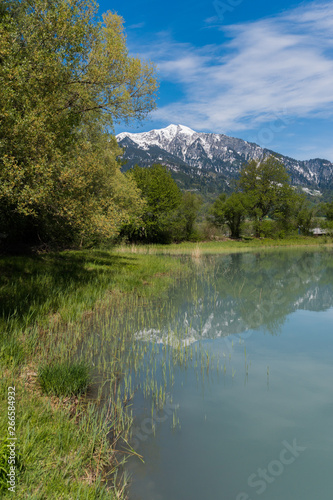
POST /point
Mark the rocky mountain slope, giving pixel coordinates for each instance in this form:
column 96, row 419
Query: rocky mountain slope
column 209, row 162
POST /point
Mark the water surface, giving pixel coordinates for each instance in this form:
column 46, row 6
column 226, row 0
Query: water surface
column 258, row 423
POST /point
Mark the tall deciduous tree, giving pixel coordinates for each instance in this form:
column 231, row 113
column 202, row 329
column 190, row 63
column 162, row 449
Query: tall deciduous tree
column 230, row 211
column 163, row 199
column 190, row 206
column 266, row 184
column 65, row 79
column 304, row 214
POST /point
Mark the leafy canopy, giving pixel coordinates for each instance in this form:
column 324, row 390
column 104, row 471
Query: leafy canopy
column 267, row 186
column 230, row 211
column 65, row 79
column 328, row 210
column 163, row 198
column 266, row 183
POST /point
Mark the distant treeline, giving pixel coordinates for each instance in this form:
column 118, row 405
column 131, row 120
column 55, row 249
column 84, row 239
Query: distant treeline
column 263, row 203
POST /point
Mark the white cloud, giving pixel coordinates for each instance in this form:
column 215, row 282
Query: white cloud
column 267, row 66
column 136, row 26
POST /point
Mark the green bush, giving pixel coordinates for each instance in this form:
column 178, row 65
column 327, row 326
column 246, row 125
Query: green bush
column 209, row 232
column 273, row 229
column 195, row 236
column 64, row 379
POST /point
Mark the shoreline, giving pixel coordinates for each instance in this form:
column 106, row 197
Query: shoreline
column 124, row 279
column 225, row 246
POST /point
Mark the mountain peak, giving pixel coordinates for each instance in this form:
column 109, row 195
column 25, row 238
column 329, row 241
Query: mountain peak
column 176, row 129
column 157, row 135
column 211, row 156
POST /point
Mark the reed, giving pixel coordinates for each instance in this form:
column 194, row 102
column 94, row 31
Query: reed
column 82, row 307
column 196, row 250
column 106, row 310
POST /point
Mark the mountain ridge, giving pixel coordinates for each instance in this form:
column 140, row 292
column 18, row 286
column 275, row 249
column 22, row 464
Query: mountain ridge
column 207, row 158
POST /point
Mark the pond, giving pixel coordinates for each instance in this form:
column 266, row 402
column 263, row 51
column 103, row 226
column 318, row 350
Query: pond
column 251, row 415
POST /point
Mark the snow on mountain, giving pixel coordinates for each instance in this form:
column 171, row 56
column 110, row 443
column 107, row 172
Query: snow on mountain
column 159, row 137
column 209, row 155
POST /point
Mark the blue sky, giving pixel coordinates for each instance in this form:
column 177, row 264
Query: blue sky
column 246, row 68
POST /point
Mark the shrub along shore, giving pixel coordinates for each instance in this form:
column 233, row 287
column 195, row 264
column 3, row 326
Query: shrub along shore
column 66, row 440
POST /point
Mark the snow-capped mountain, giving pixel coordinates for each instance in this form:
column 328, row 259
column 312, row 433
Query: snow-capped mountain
column 213, row 158
column 161, row 137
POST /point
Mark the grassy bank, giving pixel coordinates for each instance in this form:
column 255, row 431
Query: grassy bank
column 228, row 245
column 65, row 446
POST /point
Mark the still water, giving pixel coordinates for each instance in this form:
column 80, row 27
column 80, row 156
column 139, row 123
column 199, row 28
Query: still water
column 258, row 424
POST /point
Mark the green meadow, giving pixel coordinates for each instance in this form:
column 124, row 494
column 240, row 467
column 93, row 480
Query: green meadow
column 225, row 246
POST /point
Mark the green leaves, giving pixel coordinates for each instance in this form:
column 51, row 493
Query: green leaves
column 230, row 211
column 163, row 198
column 159, row 189
column 65, row 78
column 263, row 191
column 328, row 210
column 168, row 214
column 266, row 184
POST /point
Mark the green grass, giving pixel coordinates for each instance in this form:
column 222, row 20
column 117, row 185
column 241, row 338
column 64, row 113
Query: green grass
column 61, row 288
column 64, row 379
column 62, row 453
column 47, row 302
column 68, row 283
column 226, row 246
column 4, row 458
